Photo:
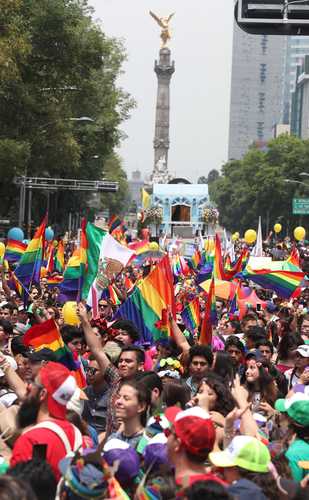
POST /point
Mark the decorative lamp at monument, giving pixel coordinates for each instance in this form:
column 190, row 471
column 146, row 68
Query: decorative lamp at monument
column 299, row 233
column 250, row 236
column 277, row 228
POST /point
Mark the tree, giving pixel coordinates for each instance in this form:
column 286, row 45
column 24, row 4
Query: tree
column 57, row 64
column 256, row 184
column 117, row 202
column 202, row 180
column 212, row 176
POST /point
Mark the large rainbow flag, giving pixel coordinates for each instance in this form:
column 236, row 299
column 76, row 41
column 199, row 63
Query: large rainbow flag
column 191, row 315
column 284, row 281
column 150, row 297
column 14, row 250
column 28, row 270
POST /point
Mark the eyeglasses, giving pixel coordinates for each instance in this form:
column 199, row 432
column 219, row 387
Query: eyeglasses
column 92, row 370
column 103, row 306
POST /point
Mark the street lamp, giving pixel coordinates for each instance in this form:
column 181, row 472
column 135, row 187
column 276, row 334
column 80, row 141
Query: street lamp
column 304, row 174
column 22, row 197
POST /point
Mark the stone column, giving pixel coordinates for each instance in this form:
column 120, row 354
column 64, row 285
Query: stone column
column 164, row 70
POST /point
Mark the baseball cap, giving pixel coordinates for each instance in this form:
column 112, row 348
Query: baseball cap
column 243, row 451
column 297, row 408
column 255, row 354
column 60, row 386
column 117, row 451
column 44, row 354
column 194, row 428
column 303, row 350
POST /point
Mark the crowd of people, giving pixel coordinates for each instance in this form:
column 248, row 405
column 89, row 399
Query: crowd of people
column 174, row 419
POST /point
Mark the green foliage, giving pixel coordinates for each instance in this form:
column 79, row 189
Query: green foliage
column 116, row 202
column 212, row 176
column 57, row 64
column 202, row 180
column 256, row 185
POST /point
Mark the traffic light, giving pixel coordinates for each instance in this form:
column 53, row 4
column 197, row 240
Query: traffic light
column 273, row 17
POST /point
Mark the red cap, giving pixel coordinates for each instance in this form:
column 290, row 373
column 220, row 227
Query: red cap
column 194, row 428
column 60, row 386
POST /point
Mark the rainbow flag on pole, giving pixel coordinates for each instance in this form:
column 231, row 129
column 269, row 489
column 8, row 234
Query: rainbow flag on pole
column 150, row 297
column 14, row 250
column 191, row 315
column 283, row 281
column 29, row 266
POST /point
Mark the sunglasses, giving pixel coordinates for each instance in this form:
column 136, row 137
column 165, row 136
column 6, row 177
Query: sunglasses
column 92, row 371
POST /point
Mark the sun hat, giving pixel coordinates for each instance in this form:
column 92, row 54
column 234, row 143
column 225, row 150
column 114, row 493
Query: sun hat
column 297, row 408
column 60, row 386
column 194, row 428
column 117, row 451
column 303, row 350
column 155, row 425
column 243, row 451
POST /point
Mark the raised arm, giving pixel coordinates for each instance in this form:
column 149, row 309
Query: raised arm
column 92, row 340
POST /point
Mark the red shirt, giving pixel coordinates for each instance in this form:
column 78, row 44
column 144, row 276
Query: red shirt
column 23, row 447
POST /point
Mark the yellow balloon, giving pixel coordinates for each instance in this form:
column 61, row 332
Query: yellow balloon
column 234, row 237
column 250, row 236
column 237, row 235
column 2, row 249
column 69, row 313
column 277, row 228
column 153, row 246
column 299, row 233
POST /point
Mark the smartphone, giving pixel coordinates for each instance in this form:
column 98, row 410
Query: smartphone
column 258, row 307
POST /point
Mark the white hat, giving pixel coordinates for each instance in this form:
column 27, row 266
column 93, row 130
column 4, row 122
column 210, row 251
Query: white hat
column 12, row 362
column 303, row 350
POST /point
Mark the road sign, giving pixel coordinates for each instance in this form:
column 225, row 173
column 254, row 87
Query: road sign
column 300, row 206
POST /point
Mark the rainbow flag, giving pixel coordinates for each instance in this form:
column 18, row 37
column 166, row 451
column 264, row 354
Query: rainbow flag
column 294, row 257
column 55, row 280
column 191, row 315
column 196, row 259
column 29, row 266
column 50, row 258
column 113, row 295
column 70, row 286
column 59, row 258
column 114, row 222
column 283, row 282
column 47, row 335
column 218, row 271
column 139, row 247
column 14, row 250
column 150, row 297
column 210, row 316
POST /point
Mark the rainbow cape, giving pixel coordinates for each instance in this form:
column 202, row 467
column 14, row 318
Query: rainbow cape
column 150, row 296
column 191, row 315
column 14, row 250
column 28, row 269
column 210, row 316
column 47, row 335
column 284, row 282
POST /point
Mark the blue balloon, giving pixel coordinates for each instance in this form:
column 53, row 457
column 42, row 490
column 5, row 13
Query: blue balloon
column 49, row 234
column 15, row 233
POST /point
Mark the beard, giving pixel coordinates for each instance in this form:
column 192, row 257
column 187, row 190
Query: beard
column 28, row 412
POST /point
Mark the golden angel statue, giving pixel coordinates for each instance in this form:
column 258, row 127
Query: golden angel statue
column 163, row 22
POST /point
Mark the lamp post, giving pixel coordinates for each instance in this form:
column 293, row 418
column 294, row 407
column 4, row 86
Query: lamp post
column 294, row 181
column 23, row 187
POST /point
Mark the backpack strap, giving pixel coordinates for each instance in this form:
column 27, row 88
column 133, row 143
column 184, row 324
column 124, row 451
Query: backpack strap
column 52, row 426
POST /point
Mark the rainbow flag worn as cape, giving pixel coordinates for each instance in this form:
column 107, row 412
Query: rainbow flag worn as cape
column 191, row 315
column 283, row 282
column 47, row 335
column 150, row 296
column 28, row 270
column 59, row 258
column 14, row 250
column 210, row 316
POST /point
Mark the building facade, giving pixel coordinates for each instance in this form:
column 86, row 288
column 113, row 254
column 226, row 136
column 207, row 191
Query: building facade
column 300, row 101
column 257, row 89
